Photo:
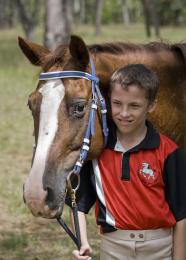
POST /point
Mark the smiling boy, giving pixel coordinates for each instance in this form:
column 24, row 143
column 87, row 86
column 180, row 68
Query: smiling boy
column 138, row 182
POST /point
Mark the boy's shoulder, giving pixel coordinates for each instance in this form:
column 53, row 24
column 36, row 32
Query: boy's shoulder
column 167, row 145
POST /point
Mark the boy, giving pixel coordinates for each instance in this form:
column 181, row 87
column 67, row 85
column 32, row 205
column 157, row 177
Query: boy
column 139, row 180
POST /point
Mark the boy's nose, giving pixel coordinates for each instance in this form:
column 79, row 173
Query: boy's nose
column 125, row 112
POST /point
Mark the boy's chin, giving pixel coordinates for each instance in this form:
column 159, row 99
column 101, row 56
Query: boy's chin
column 128, row 128
column 125, row 129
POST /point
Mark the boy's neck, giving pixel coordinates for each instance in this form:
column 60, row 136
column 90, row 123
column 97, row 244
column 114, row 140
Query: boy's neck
column 130, row 140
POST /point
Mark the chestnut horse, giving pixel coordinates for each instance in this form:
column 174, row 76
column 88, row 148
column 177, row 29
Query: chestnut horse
column 60, row 108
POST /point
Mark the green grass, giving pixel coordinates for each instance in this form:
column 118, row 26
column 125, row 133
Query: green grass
column 21, row 235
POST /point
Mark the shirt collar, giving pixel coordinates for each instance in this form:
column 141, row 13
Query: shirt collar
column 151, row 140
column 119, row 147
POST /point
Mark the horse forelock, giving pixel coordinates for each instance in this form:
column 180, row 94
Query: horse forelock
column 57, row 58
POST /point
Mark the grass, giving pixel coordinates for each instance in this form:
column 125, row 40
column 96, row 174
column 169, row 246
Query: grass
column 21, row 235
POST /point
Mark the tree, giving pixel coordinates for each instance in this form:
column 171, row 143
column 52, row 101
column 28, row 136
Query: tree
column 151, row 17
column 99, row 9
column 28, row 14
column 125, row 13
column 82, row 11
column 58, row 22
column 7, row 13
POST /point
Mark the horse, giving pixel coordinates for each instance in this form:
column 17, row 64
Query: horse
column 61, row 107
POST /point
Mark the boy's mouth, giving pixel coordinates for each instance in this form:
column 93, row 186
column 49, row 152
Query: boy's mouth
column 125, row 121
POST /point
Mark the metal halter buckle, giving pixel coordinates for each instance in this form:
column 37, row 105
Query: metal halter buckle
column 70, row 181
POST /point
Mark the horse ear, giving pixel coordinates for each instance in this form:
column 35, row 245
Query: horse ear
column 34, row 52
column 79, row 50
column 180, row 49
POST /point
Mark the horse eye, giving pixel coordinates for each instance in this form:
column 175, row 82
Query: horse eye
column 77, row 110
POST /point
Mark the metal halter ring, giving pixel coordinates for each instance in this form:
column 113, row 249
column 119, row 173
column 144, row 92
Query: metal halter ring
column 69, row 181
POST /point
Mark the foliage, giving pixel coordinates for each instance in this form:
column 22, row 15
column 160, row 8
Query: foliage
column 175, row 14
column 112, row 11
column 169, row 12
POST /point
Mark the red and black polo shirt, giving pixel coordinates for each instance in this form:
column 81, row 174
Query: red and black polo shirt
column 142, row 188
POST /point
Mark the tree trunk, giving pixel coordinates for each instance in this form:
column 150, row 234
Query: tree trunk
column 29, row 17
column 151, row 17
column 7, row 13
column 99, row 9
column 146, row 17
column 125, row 13
column 82, row 11
column 12, row 14
column 58, row 22
column 154, row 17
column 2, row 13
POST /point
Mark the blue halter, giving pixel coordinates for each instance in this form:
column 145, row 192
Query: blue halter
column 96, row 97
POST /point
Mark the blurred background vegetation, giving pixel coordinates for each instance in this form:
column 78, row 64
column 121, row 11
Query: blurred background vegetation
column 59, row 18
column 50, row 22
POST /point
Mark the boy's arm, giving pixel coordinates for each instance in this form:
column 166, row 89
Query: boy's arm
column 85, row 199
column 179, row 246
column 175, row 191
column 85, row 250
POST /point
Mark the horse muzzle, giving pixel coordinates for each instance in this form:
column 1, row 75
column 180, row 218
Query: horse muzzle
column 40, row 203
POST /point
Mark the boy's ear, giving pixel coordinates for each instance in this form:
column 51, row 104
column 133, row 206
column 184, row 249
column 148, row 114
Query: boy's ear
column 152, row 106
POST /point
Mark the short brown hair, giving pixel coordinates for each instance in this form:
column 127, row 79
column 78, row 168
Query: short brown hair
column 137, row 74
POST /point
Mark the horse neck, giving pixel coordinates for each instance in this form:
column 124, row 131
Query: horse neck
column 107, row 63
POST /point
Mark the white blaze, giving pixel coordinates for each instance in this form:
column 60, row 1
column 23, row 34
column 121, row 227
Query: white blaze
column 52, row 94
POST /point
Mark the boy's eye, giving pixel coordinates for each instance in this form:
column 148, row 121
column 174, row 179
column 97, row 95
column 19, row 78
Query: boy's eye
column 135, row 105
column 116, row 103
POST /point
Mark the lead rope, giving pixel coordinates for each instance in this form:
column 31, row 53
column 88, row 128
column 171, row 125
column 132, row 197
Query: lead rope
column 77, row 238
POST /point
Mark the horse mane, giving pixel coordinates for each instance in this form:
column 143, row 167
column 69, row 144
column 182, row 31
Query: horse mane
column 61, row 53
column 119, row 47
column 56, row 57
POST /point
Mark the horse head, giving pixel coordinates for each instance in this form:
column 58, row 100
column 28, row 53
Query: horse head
column 60, row 108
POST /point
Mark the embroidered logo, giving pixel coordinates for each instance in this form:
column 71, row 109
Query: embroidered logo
column 147, row 174
column 146, row 171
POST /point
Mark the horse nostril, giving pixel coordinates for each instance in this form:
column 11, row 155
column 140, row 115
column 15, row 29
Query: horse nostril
column 50, row 200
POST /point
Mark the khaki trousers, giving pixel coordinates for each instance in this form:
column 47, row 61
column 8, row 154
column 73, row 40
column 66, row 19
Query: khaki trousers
column 137, row 245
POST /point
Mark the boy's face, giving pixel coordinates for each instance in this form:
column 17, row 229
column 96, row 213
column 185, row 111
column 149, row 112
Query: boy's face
column 129, row 108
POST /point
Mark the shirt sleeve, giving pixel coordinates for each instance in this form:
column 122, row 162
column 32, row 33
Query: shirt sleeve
column 85, row 195
column 175, row 183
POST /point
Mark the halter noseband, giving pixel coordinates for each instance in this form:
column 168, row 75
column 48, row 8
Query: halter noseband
column 96, row 97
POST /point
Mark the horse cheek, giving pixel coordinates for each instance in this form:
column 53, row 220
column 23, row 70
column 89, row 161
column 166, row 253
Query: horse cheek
column 97, row 142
